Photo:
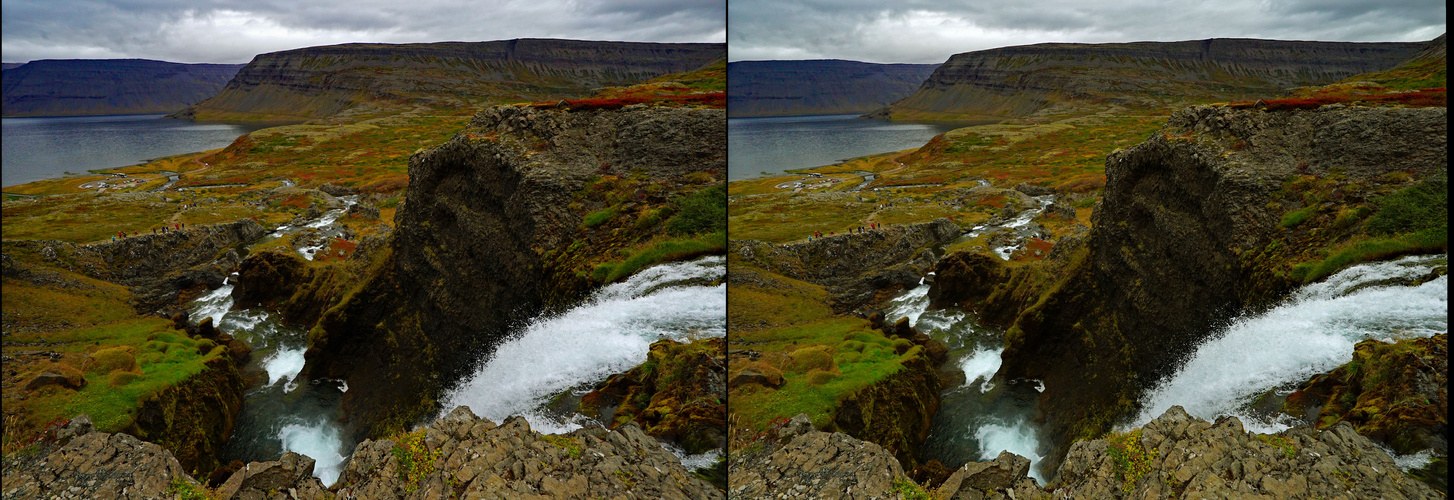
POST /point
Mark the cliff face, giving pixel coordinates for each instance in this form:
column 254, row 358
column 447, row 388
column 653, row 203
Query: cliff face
column 786, row 88
column 477, row 247
column 1011, row 82
column 318, row 82
column 1190, row 232
column 109, row 86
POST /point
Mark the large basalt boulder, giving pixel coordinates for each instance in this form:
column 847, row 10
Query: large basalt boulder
column 816, row 464
column 679, row 394
column 97, row 465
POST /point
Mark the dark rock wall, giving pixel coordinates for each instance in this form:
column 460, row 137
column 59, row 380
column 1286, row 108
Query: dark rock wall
column 109, row 86
column 786, row 88
column 1010, row 82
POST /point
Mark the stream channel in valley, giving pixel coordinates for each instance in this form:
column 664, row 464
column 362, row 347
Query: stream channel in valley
column 1256, row 356
column 608, row 333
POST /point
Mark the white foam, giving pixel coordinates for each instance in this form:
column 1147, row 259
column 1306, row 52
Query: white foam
column 284, row 365
column 214, row 304
column 1312, row 333
column 319, row 441
column 699, row 461
column 1015, row 437
column 608, row 334
column 910, row 304
column 981, row 365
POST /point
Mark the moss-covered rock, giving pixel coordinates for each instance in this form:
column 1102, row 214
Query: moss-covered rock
column 678, row 394
column 1395, row 393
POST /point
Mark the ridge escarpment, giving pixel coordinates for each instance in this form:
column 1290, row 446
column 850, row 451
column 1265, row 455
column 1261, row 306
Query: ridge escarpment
column 318, row 82
column 1221, row 212
column 109, row 86
column 495, row 229
column 1013, row 82
column 786, row 88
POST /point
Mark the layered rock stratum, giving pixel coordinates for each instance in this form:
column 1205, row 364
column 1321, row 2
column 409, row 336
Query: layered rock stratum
column 819, row 87
column 70, row 87
column 1011, row 82
column 1175, row 455
column 317, row 82
column 459, row 456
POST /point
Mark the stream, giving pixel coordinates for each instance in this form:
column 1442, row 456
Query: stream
column 1313, row 331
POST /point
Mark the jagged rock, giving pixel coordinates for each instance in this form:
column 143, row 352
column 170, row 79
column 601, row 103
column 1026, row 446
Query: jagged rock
column 206, row 330
column 819, row 465
column 362, row 211
column 471, row 457
column 97, row 465
column 1032, row 189
column 970, row 482
column 289, row 477
column 772, row 378
column 678, row 395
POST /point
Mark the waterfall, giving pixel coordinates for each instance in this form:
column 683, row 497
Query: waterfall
column 607, row 334
column 1312, row 332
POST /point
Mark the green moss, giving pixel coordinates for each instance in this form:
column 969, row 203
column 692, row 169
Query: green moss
column 1412, row 209
column 599, row 217
column 1427, row 240
column 570, row 445
column 415, row 459
column 1292, row 219
column 662, row 251
column 1132, row 460
column 909, row 490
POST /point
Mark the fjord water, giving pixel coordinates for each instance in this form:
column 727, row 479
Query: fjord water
column 43, row 148
column 608, row 333
column 1312, row 331
column 777, row 144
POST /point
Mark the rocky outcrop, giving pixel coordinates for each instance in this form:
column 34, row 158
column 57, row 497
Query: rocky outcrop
column 679, row 394
column 1175, row 455
column 89, row 464
column 75, row 87
column 467, row 259
column 464, row 456
column 814, row 464
column 317, row 82
column 855, row 266
column 1183, row 456
column 1011, row 82
column 459, row 456
column 195, row 417
column 822, row 87
column 1194, row 210
column 1395, row 393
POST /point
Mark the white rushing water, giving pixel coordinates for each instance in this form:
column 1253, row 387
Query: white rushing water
column 1016, row 437
column 1313, row 332
column 273, row 420
column 607, row 334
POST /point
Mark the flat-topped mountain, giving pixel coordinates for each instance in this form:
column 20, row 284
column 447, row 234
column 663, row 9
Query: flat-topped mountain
column 72, row 87
column 820, row 87
column 317, row 82
column 1017, row 81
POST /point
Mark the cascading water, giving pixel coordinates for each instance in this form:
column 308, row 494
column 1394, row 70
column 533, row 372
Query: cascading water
column 279, row 414
column 976, row 420
column 607, row 334
column 1312, row 332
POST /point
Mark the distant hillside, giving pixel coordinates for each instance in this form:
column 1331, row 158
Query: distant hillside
column 72, row 87
column 318, row 82
column 4, row 66
column 821, row 87
column 1017, row 81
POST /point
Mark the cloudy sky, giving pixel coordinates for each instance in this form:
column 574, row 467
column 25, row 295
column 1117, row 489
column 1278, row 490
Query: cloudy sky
column 929, row 31
column 233, row 31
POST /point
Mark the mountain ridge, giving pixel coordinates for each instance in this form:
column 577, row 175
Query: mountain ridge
column 77, row 87
column 1013, row 82
column 818, row 87
column 319, row 82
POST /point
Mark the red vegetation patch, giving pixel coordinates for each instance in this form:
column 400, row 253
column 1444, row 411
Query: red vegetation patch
column 1423, row 98
column 713, row 99
column 997, row 201
column 338, row 249
column 387, row 184
column 295, row 201
column 1082, row 184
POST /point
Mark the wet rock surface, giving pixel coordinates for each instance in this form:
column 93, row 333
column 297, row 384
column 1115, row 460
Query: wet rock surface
column 679, row 394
